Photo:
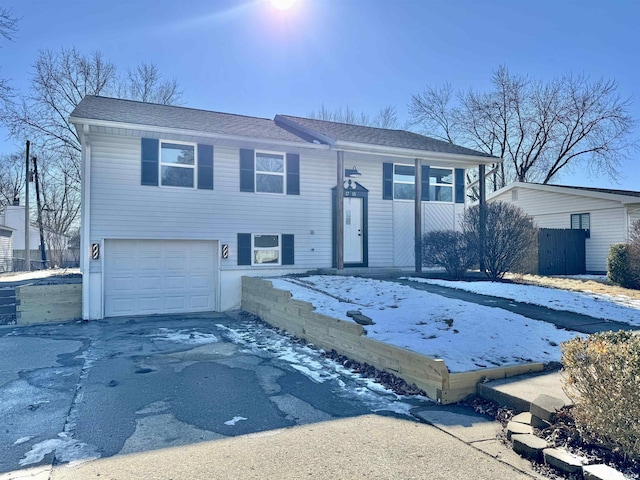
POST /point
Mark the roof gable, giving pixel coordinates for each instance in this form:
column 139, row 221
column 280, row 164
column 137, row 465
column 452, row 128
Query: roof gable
column 622, row 196
column 335, row 132
column 168, row 116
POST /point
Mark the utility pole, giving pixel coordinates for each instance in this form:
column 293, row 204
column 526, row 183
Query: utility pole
column 43, row 251
column 27, row 251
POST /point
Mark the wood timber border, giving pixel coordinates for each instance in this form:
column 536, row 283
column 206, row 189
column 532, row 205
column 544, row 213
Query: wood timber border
column 37, row 304
column 298, row 318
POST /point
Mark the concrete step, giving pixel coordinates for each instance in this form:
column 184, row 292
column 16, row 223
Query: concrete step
column 518, row 392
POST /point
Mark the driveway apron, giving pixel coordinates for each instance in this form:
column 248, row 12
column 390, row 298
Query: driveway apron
column 89, row 390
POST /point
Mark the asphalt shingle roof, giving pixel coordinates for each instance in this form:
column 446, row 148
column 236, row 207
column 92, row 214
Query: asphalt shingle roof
column 167, row 116
column 628, row 193
column 151, row 114
column 380, row 136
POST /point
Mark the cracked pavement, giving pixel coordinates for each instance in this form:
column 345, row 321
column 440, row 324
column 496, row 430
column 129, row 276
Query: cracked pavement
column 87, row 390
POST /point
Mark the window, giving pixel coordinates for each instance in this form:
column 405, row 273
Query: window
column 581, row 221
column 266, row 249
column 441, row 184
column 270, row 172
column 404, row 182
column 177, row 165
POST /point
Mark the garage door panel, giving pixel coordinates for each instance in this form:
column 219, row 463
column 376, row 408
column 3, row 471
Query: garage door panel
column 158, row 276
column 151, row 283
column 198, row 301
column 198, row 281
column 177, row 282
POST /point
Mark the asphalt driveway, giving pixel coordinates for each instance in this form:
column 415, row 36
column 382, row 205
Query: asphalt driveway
column 83, row 391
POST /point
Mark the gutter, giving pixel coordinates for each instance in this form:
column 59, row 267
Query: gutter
column 193, row 133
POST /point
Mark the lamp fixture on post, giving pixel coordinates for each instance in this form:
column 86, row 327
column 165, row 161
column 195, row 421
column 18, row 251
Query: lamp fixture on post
column 351, row 172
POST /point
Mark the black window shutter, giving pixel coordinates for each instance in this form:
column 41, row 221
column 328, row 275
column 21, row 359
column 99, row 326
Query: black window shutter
column 244, row 249
column 387, row 181
column 150, row 158
column 246, row 170
column 205, row 167
column 287, row 250
column 425, row 183
column 293, row 174
column 459, row 185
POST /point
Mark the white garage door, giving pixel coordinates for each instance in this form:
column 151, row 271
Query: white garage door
column 159, row 276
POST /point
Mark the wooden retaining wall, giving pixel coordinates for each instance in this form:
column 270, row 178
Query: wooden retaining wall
column 48, row 303
column 277, row 308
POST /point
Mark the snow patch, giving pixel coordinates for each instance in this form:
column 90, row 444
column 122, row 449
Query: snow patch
column 620, row 308
column 65, row 448
column 22, row 440
column 186, row 337
column 465, row 335
column 235, row 420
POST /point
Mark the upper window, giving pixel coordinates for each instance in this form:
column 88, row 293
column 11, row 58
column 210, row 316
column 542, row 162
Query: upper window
column 441, row 184
column 270, row 172
column 266, row 249
column 404, row 182
column 177, row 165
column 581, row 221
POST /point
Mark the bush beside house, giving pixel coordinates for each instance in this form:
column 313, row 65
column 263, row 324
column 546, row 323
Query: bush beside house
column 601, row 375
column 623, row 262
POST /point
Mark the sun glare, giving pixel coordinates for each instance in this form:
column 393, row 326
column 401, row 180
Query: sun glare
column 283, row 4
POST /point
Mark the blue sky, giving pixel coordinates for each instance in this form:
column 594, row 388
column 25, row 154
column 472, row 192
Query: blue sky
column 248, row 58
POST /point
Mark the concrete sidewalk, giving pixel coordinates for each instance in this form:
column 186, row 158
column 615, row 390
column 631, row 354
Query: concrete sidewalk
column 369, row 446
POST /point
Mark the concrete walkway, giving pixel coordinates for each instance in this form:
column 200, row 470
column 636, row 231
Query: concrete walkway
column 561, row 319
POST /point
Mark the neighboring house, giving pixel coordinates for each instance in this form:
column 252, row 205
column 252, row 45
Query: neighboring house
column 13, row 217
column 605, row 214
column 6, row 248
column 178, row 204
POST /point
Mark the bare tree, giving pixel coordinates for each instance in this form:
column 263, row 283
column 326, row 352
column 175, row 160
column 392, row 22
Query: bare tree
column 538, row 128
column 8, row 29
column 59, row 81
column 11, row 178
column 145, row 83
column 386, row 117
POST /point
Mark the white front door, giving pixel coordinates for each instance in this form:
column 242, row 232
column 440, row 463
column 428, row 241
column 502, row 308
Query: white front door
column 353, row 231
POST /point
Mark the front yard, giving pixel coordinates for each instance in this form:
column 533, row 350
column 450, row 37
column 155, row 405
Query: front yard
column 465, row 335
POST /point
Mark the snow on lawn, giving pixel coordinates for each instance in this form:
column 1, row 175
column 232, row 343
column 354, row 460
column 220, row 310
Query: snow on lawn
column 609, row 307
column 465, row 335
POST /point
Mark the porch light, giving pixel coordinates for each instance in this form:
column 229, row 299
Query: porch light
column 352, row 172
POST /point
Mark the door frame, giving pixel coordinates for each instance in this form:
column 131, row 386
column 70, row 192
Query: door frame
column 357, row 191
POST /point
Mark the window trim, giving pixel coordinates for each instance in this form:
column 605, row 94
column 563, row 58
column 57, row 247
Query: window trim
column 451, row 186
column 393, row 181
column 253, row 249
column 447, row 185
column 193, row 167
column 580, row 216
column 262, row 172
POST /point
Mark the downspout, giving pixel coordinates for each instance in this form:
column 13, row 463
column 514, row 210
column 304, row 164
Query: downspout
column 418, row 216
column 85, row 204
column 339, row 247
column 482, row 220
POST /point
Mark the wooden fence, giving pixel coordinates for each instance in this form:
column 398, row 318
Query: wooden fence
column 561, row 252
column 277, row 308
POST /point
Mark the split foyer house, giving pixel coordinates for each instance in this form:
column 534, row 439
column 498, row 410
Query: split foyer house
column 178, row 204
column 604, row 214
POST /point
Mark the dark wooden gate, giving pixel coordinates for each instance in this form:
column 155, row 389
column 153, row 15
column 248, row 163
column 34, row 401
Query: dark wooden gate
column 561, row 251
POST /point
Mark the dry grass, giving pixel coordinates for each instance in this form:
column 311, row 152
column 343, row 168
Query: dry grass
column 578, row 285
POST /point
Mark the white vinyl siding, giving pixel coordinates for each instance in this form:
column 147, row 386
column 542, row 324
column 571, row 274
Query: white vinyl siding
column 553, row 210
